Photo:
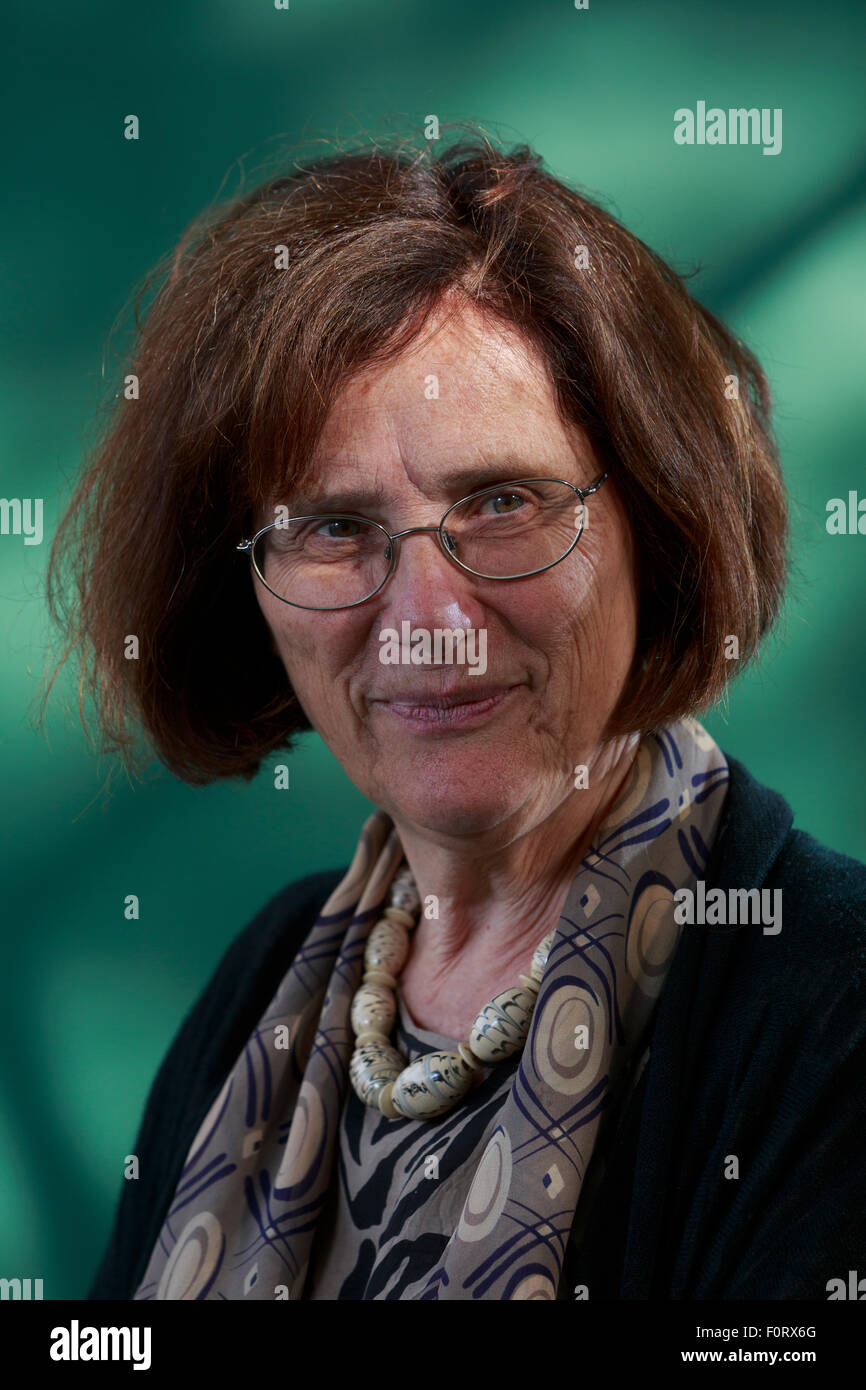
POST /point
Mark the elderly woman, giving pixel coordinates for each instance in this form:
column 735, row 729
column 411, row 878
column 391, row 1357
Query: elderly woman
column 436, row 458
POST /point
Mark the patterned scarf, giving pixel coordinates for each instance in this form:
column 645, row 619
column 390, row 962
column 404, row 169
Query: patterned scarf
column 243, row 1217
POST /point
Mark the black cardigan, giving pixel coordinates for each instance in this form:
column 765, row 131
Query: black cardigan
column 758, row 1051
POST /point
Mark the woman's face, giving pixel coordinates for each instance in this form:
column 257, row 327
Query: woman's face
column 559, row 645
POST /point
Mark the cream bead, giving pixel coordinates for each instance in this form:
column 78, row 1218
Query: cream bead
column 396, row 914
column 404, row 894
column 373, row 1066
column 380, row 977
column 371, row 1035
column 502, row 1025
column 387, row 947
column 373, row 1009
column 542, row 951
column 431, row 1086
column 386, row 1104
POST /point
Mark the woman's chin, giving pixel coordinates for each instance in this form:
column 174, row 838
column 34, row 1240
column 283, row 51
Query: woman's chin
column 472, row 797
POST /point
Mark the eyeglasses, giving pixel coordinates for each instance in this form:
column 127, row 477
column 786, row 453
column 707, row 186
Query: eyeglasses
column 339, row 560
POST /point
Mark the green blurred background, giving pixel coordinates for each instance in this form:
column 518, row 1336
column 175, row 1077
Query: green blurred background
column 91, row 1001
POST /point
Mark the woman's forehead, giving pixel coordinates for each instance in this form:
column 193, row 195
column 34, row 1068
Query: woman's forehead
column 501, row 413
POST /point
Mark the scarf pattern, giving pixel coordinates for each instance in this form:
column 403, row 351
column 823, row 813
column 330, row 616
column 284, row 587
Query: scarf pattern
column 243, row 1218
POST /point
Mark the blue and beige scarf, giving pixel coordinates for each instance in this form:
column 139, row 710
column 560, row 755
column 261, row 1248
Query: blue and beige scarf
column 243, row 1218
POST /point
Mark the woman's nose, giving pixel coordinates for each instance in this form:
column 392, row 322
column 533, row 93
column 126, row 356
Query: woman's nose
column 425, row 580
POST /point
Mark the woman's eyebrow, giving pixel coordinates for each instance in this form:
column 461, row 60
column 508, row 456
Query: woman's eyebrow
column 354, row 499
column 457, row 483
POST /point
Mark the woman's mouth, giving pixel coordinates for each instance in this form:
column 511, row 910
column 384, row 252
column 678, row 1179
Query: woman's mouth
column 462, row 709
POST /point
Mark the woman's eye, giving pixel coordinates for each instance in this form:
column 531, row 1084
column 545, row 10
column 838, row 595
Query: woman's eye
column 509, row 499
column 337, row 530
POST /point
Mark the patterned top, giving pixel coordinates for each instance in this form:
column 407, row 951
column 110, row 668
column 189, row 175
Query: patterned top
column 400, row 1187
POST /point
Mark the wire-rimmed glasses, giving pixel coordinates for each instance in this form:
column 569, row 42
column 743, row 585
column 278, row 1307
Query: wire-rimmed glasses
column 338, row 560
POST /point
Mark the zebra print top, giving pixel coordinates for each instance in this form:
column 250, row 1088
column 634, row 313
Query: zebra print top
column 380, row 1236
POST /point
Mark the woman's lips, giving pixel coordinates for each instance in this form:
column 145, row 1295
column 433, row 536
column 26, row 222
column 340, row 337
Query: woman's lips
column 461, row 710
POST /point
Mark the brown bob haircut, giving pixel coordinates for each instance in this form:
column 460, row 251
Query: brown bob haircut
column 239, row 361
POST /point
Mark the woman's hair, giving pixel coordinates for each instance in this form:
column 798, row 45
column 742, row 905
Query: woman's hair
column 266, row 309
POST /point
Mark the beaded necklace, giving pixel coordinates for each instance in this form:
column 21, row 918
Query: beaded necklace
column 436, row 1082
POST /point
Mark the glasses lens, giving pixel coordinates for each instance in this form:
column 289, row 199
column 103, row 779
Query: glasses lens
column 322, row 561
column 514, row 529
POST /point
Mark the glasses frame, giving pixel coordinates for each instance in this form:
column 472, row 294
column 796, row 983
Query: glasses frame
column 582, row 493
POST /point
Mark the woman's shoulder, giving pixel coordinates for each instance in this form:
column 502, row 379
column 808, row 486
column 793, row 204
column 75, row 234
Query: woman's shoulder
column 823, row 877
column 760, row 846
column 758, row 1054
column 201, row 1054
column 787, row 951
column 813, row 973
